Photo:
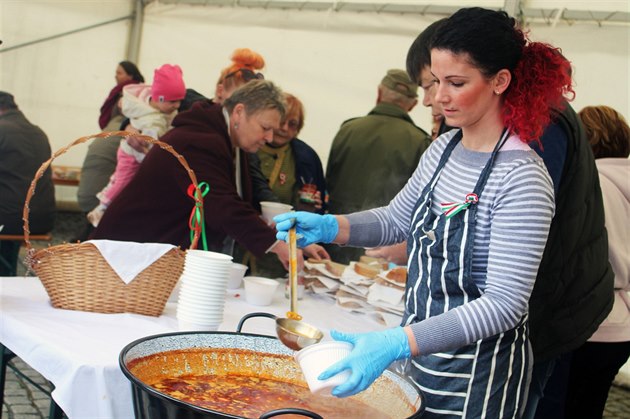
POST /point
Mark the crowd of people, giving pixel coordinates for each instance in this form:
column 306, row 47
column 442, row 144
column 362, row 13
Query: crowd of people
column 510, row 216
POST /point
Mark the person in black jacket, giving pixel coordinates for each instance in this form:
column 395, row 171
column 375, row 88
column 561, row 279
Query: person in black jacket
column 23, row 149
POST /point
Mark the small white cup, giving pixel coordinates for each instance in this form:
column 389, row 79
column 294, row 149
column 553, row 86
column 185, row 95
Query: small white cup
column 259, row 291
column 237, row 272
column 271, row 209
column 315, row 359
column 185, row 325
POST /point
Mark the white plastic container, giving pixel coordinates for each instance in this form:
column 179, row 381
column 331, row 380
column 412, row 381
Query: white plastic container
column 237, row 272
column 314, row 359
column 259, row 291
column 271, row 209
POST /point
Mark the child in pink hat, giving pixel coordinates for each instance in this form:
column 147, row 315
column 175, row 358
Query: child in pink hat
column 150, row 109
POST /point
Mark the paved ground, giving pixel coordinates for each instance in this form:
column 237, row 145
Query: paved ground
column 23, row 401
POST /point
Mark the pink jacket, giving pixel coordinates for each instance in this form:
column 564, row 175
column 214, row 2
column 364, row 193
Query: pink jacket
column 613, row 177
column 128, row 162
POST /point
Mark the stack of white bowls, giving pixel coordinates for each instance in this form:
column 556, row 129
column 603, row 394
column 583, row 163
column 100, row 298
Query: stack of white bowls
column 202, row 294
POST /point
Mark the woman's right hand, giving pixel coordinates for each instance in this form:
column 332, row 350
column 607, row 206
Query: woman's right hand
column 371, row 354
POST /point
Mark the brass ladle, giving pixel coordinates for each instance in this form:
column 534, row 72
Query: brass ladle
column 291, row 331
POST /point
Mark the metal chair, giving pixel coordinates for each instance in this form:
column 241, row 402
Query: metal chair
column 20, row 238
column 54, row 412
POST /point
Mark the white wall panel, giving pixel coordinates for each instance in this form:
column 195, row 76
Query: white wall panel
column 332, row 60
column 61, row 83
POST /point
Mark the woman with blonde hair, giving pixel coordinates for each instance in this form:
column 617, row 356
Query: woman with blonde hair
column 214, row 140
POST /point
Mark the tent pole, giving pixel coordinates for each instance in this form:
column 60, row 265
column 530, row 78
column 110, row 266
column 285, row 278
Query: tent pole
column 135, row 33
column 61, row 35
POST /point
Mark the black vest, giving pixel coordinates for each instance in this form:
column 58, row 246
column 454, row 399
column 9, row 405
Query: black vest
column 573, row 293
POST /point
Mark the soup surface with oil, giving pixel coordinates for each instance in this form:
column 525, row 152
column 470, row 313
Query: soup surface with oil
column 250, row 397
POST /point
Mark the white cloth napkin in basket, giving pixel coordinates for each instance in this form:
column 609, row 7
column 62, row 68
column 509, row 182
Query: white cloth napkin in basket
column 128, row 259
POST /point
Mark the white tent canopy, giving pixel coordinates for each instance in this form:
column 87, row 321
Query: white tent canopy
column 58, row 57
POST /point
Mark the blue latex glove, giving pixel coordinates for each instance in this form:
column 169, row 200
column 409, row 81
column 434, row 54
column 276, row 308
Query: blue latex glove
column 372, row 353
column 311, row 228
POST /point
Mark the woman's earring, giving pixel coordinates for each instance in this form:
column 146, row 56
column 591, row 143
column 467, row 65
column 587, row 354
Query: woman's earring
column 236, row 125
column 496, row 92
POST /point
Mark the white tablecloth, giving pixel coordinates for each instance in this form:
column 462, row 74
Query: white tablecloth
column 78, row 351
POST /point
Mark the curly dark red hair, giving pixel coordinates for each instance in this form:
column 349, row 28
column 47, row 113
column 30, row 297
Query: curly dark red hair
column 541, row 76
column 541, row 82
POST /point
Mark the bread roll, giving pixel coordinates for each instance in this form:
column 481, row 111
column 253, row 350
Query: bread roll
column 398, row 275
column 334, row 267
column 366, row 270
column 380, row 262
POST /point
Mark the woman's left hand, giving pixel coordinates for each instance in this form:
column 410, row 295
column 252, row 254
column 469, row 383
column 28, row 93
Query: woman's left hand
column 373, row 352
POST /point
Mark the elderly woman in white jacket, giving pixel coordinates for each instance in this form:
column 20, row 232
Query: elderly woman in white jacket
column 595, row 364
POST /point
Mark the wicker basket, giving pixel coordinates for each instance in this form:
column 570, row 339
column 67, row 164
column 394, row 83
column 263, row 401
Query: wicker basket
column 77, row 277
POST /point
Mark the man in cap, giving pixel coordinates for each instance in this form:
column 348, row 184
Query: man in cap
column 373, row 156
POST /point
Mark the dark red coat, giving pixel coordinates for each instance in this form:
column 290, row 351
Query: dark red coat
column 154, row 206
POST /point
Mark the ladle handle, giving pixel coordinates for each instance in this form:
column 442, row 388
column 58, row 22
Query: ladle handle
column 290, row 411
column 293, row 271
column 250, row 315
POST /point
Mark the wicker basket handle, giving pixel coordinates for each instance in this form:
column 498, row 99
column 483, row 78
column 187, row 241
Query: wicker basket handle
column 117, row 134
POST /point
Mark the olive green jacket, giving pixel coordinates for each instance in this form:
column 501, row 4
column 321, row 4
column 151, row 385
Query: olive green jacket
column 371, row 159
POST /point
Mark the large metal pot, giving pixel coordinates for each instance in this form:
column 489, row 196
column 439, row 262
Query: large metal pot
column 390, row 393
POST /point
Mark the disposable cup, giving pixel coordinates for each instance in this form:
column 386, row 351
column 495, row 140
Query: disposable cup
column 204, row 291
column 213, row 313
column 237, row 272
column 194, row 301
column 209, row 279
column 314, row 359
column 206, row 266
column 259, row 291
column 195, row 253
column 307, row 193
column 271, row 209
column 192, row 326
column 201, row 316
column 204, row 271
column 206, row 262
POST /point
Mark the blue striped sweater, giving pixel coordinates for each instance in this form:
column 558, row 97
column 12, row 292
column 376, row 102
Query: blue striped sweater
column 515, row 210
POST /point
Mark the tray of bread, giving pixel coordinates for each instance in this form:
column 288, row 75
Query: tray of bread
column 370, row 286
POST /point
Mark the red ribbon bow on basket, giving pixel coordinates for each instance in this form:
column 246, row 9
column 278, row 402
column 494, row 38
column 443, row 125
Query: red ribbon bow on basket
column 196, row 221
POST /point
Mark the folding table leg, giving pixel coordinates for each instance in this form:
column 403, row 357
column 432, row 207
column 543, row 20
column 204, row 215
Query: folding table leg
column 6, row 357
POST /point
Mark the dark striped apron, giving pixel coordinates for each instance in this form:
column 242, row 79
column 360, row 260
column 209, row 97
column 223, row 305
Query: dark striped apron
column 486, row 379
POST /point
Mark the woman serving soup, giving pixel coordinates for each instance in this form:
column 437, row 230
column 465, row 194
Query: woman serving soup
column 476, row 216
column 214, row 140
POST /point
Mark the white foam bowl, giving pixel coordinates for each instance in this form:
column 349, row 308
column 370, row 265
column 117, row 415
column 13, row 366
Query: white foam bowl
column 259, row 291
column 194, row 279
column 200, row 316
column 237, row 272
column 192, row 326
column 194, row 253
column 193, row 300
column 314, row 359
column 271, row 209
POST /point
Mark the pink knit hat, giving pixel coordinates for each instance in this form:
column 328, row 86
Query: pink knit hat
column 168, row 84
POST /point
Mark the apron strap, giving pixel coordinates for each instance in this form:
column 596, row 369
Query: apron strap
column 485, row 173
